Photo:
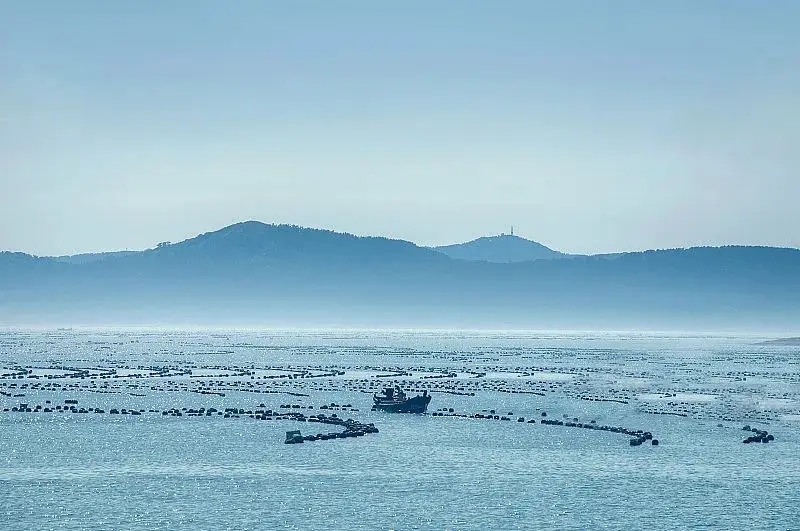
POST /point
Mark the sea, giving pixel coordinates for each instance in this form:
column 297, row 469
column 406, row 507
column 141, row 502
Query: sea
column 140, row 429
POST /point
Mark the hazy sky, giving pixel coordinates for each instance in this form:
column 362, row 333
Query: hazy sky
column 589, row 126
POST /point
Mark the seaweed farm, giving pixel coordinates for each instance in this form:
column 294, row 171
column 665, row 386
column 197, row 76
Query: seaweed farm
column 176, row 429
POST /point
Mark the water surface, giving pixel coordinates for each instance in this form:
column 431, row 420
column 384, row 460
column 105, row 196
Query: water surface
column 65, row 470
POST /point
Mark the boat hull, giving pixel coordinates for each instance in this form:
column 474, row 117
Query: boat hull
column 417, row 404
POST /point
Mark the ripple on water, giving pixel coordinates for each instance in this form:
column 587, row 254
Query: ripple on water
column 103, row 471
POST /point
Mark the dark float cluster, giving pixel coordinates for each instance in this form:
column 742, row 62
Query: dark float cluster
column 760, row 436
column 639, row 436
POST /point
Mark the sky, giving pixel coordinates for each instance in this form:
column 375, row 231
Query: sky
column 589, row 126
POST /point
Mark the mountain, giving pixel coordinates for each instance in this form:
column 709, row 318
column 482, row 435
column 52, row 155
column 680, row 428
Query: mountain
column 504, row 248
column 85, row 258
column 280, row 275
column 783, row 342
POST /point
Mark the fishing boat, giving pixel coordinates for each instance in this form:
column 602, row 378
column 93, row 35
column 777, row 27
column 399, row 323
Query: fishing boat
column 394, row 400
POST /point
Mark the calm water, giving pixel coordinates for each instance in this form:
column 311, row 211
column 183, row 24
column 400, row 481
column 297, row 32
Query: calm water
column 65, row 470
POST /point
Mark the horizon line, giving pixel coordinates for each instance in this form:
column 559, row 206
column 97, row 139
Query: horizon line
column 64, row 327
column 696, row 245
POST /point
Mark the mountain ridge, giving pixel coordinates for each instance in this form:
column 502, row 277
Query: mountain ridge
column 93, row 256
column 503, row 248
column 255, row 273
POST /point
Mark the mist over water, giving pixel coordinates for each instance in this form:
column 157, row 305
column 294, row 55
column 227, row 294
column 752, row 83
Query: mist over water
column 71, row 470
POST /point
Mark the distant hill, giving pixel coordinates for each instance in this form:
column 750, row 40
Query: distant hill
column 85, row 258
column 281, row 275
column 785, row 342
column 505, row 248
